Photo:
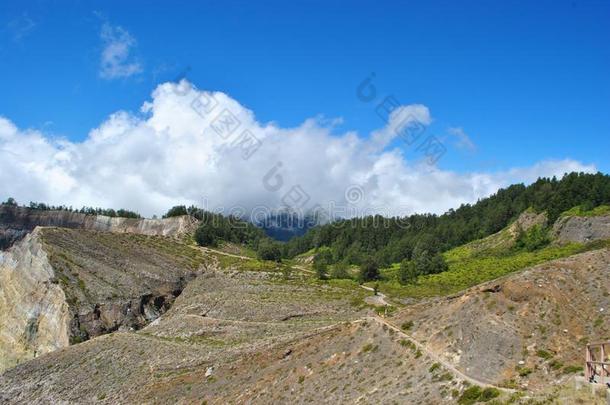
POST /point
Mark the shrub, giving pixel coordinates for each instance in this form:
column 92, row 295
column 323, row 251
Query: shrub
column 406, row 325
column 369, row 347
column 489, row 394
column 340, row 271
column 543, row 354
column 572, row 369
column 476, row 394
column 470, row 395
column 535, row 238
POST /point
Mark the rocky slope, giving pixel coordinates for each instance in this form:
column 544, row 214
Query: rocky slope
column 16, row 222
column 582, row 229
column 220, row 317
column 524, row 330
column 60, row 286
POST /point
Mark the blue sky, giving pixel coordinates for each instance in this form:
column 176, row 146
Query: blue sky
column 524, row 81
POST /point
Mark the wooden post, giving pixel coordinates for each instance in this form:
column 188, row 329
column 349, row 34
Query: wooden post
column 587, row 364
column 596, row 363
column 603, row 359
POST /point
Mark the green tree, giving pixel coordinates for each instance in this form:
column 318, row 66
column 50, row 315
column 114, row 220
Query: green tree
column 11, row 201
column 321, row 261
column 438, row 264
column 176, row 211
column 320, row 268
column 123, row 213
column 369, row 270
column 206, row 236
column 427, row 262
column 407, row 273
column 325, row 255
column 268, row 250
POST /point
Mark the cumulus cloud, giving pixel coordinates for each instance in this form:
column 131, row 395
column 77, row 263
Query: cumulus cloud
column 188, row 146
column 116, row 59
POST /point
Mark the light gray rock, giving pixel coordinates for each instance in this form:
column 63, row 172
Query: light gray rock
column 582, row 229
column 16, row 222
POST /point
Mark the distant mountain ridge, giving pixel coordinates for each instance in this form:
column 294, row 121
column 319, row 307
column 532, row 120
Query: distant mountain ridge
column 285, row 225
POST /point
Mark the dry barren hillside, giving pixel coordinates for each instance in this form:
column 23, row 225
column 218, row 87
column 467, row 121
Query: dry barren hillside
column 526, row 330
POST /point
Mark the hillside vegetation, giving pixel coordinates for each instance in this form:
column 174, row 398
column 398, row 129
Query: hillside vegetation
column 390, row 240
column 585, row 211
column 468, row 268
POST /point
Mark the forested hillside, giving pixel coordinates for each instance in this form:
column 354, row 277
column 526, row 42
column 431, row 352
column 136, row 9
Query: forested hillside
column 390, row 240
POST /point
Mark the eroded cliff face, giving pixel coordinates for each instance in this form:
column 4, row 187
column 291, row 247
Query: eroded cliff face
column 16, row 222
column 34, row 315
column 61, row 286
column 582, row 229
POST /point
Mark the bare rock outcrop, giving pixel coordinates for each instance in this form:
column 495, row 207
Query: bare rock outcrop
column 34, row 314
column 528, row 219
column 60, row 286
column 16, row 222
column 582, row 229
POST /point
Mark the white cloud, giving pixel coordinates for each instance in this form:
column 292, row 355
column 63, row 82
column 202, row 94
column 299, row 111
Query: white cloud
column 409, row 117
column 116, row 59
column 462, row 140
column 170, row 154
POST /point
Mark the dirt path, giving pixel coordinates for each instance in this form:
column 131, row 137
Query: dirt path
column 303, row 269
column 205, row 249
column 436, row 358
column 380, row 298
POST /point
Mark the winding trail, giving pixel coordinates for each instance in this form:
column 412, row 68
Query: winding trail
column 383, row 300
column 380, row 297
column 206, row 249
column 437, row 358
